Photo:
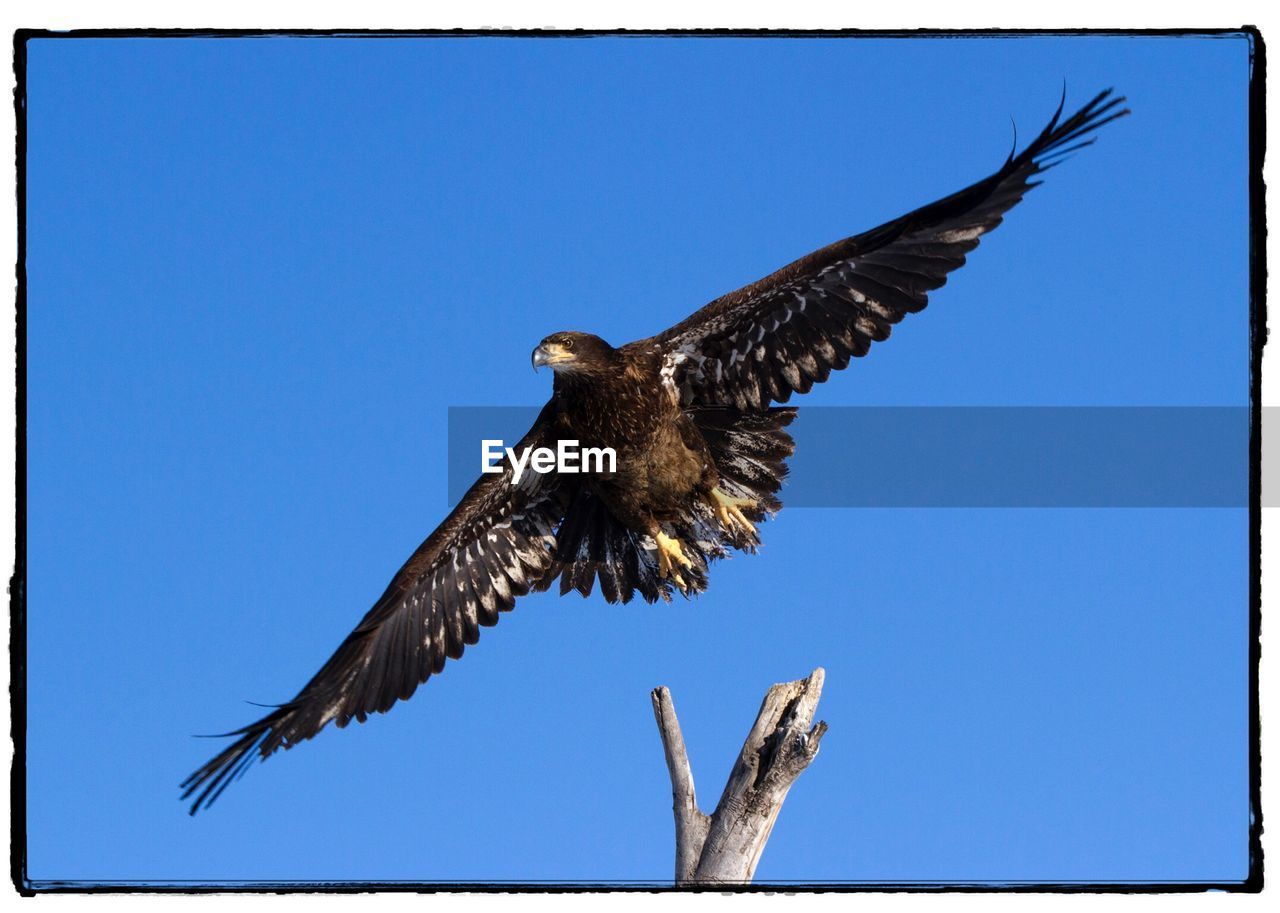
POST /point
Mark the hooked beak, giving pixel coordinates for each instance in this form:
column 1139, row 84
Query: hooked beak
column 551, row 355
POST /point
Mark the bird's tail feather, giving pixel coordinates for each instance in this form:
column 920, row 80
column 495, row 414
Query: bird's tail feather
column 750, row 450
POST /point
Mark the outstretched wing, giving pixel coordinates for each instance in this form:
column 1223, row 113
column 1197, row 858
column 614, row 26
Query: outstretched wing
column 493, row 547
column 788, row 331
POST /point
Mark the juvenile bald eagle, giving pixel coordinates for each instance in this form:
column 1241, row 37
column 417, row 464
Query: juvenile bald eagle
column 700, row 453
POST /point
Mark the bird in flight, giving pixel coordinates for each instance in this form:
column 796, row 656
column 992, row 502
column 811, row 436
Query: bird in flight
column 700, row 453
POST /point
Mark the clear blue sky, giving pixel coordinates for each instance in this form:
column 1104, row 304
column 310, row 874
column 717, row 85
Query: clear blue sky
column 259, row 272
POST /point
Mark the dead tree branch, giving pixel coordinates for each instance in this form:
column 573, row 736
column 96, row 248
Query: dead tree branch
column 725, row 847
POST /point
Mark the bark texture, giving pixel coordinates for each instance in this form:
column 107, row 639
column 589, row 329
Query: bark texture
column 725, row 846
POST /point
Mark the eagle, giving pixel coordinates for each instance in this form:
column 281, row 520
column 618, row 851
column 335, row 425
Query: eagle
column 700, row 446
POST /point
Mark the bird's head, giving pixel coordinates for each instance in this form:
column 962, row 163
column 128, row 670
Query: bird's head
column 574, row 353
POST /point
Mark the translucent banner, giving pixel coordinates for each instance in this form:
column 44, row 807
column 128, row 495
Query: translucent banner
column 853, row 456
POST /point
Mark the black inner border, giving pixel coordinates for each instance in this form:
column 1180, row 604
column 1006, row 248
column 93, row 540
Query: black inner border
column 17, row 584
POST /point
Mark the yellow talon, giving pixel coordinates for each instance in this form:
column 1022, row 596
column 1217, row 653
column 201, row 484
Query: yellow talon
column 729, row 510
column 670, row 553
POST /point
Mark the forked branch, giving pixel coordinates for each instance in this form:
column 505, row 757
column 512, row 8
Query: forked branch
column 725, row 847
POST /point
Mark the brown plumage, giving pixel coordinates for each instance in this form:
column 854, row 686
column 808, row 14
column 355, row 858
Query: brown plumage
column 700, row 453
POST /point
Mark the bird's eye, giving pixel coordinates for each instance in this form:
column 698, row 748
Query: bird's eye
column 568, row 343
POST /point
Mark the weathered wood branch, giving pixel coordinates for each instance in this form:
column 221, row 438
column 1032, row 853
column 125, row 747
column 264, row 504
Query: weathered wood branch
column 725, row 847
column 691, row 823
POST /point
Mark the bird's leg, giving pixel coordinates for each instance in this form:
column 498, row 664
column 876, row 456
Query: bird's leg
column 729, row 510
column 671, row 553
